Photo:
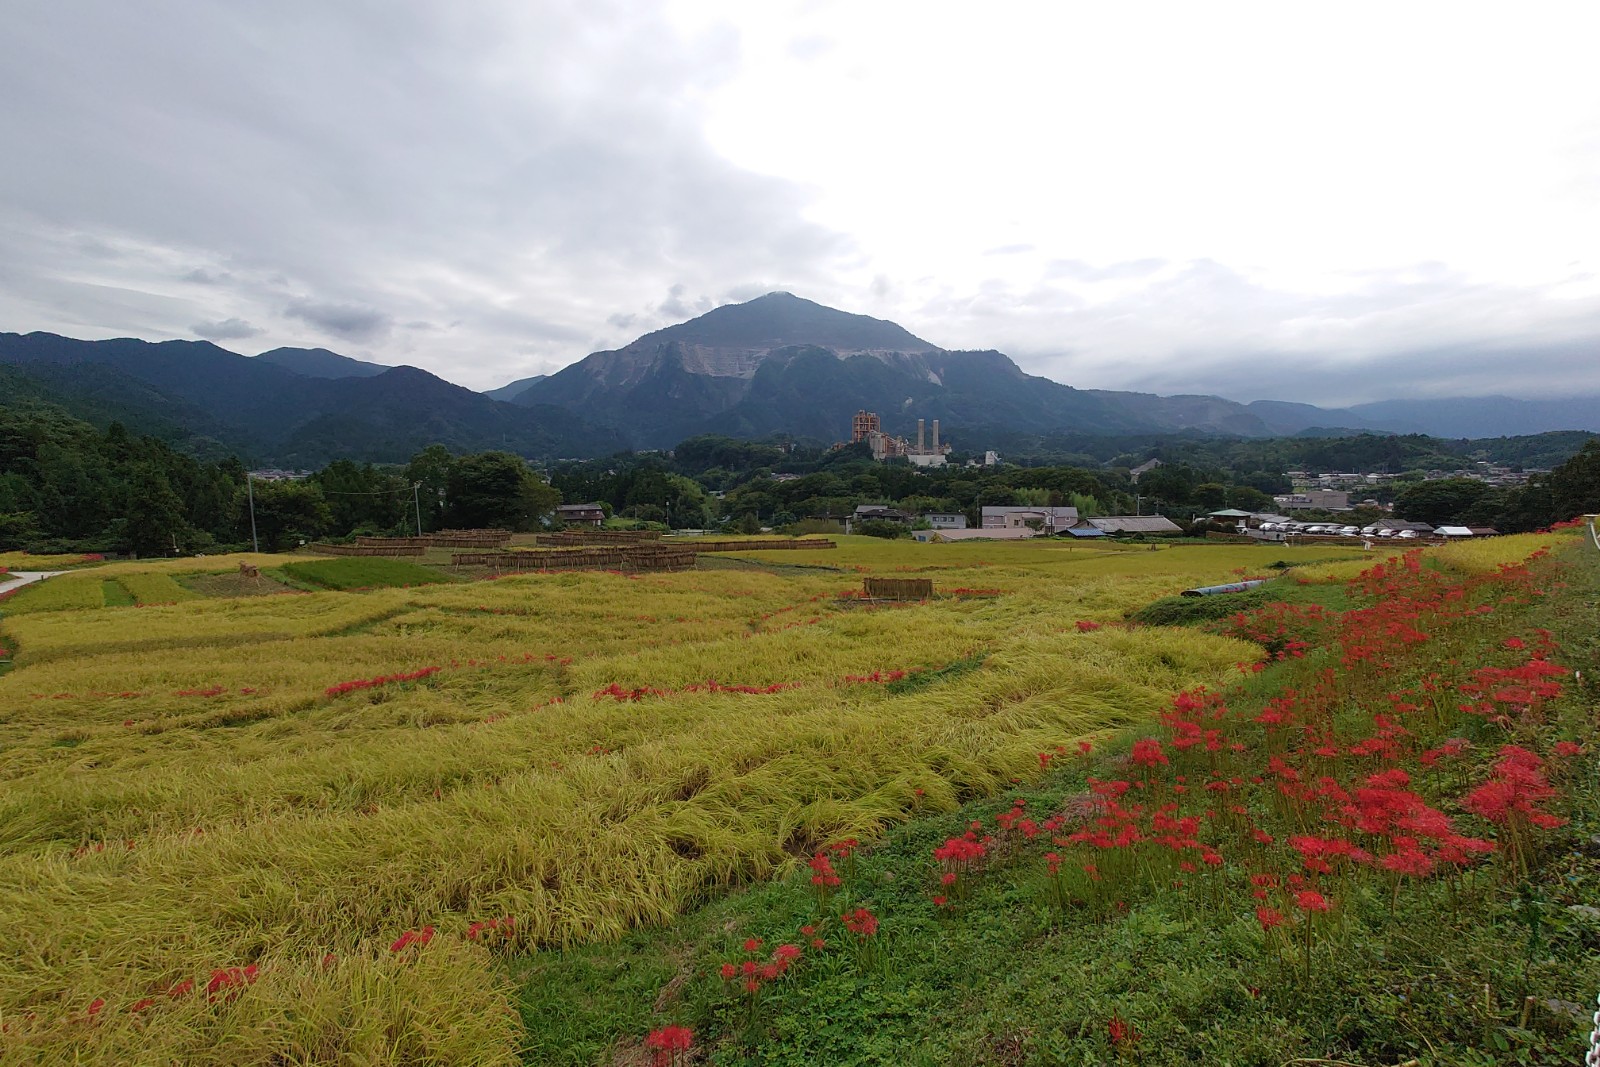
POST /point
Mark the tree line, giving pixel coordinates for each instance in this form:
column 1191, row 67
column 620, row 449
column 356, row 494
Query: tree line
column 68, row 486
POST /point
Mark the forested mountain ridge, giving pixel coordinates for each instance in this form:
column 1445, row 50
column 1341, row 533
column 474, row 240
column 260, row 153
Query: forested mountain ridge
column 183, row 390
column 778, row 365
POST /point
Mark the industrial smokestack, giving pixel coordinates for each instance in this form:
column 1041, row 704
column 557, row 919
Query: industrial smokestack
column 936, row 435
column 919, row 435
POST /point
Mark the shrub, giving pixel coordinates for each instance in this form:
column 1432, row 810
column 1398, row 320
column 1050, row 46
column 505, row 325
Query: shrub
column 882, row 528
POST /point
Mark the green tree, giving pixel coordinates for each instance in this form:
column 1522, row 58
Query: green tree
column 496, row 490
column 429, row 470
column 1575, row 484
column 1441, row 501
column 285, row 512
column 153, row 514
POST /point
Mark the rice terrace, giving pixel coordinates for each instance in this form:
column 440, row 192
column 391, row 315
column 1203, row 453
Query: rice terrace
column 741, row 814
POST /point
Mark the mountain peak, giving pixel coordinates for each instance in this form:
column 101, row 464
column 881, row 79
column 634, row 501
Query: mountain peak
column 321, row 363
column 783, row 320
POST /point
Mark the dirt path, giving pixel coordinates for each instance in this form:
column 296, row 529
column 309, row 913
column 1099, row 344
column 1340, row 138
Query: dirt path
column 18, row 579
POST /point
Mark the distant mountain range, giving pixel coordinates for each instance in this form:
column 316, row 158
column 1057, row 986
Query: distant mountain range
column 778, row 364
column 782, row 364
column 268, row 409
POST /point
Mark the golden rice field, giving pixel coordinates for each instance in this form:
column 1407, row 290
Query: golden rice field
column 190, row 786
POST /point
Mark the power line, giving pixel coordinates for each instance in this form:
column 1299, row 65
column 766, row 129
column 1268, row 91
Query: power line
column 375, row 492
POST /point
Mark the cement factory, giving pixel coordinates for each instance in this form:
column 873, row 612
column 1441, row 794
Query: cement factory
column 866, row 427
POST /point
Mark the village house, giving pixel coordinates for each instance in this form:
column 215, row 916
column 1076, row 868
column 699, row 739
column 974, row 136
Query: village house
column 1050, row 520
column 581, row 514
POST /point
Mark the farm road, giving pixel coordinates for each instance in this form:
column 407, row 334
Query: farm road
column 18, row 579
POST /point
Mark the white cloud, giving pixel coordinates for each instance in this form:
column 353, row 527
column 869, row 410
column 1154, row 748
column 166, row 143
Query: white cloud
column 1246, row 198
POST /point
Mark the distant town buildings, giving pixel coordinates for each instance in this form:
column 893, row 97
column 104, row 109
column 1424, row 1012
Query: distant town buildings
column 1321, row 499
column 1492, row 474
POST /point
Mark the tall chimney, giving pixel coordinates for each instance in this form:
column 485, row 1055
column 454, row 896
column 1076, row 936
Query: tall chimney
column 936, row 435
column 919, row 435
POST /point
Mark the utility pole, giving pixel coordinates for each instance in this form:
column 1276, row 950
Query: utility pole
column 250, row 488
column 416, row 498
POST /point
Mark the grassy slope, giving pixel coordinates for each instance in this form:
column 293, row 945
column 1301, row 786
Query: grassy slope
column 1007, row 980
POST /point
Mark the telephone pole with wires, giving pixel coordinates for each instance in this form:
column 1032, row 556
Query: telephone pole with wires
column 250, row 488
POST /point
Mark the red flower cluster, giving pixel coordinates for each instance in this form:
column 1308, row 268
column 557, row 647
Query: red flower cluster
column 860, row 922
column 667, row 1042
column 483, row 931
column 229, row 982
column 876, row 677
column 383, row 679
column 752, row 972
column 1514, row 791
column 412, row 937
column 711, row 685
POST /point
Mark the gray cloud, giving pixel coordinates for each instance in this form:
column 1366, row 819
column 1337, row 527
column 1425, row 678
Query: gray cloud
column 343, row 320
column 226, row 330
column 538, row 177
column 1203, row 327
column 525, row 170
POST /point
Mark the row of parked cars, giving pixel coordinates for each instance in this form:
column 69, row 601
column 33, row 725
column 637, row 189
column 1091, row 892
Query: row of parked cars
column 1333, row 529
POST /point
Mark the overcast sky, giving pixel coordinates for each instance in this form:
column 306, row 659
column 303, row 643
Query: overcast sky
column 1327, row 203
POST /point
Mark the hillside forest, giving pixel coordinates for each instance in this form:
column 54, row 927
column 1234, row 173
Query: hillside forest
column 67, row 486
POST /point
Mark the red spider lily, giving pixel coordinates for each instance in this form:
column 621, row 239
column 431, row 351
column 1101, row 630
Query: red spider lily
column 1087, row 625
column 412, row 937
column 667, row 1042
column 482, row 931
column 1513, row 792
column 1310, row 900
column 823, row 876
column 1147, row 753
column 860, row 922
column 1121, row 1032
column 1269, row 918
column 729, row 972
column 387, row 679
column 752, row 944
column 963, row 850
column 1452, row 747
column 230, row 981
